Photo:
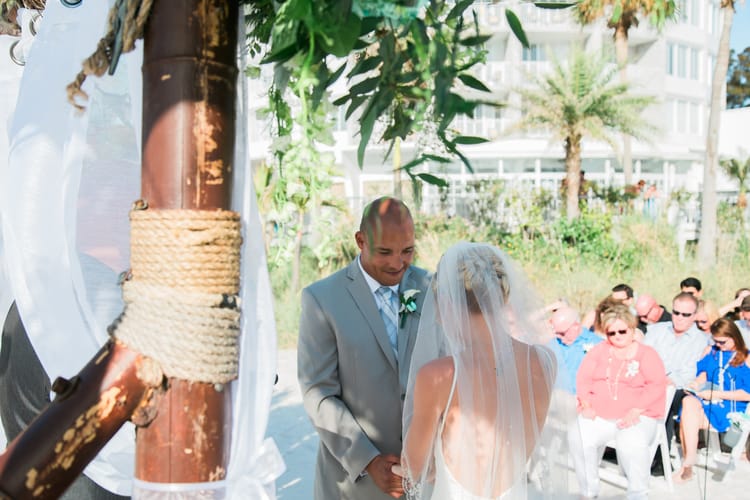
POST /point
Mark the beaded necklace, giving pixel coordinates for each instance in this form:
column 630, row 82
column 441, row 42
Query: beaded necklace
column 613, row 393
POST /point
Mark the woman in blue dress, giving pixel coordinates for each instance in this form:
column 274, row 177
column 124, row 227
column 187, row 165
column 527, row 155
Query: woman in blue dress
column 722, row 386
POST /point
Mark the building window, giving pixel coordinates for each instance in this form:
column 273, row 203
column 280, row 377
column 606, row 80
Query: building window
column 533, row 53
column 695, row 127
column 681, row 61
column 670, row 59
column 695, row 13
column 681, row 8
column 682, row 116
column 693, row 64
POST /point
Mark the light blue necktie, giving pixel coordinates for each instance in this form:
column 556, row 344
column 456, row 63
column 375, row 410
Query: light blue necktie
column 389, row 313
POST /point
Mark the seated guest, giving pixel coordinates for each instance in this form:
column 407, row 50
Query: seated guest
column 621, row 390
column 692, row 286
column 649, row 311
column 680, row 345
column 620, row 293
column 572, row 341
column 623, row 293
column 732, row 309
column 706, row 314
column 722, row 386
column 744, row 322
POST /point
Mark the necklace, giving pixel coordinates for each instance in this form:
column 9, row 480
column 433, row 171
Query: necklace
column 613, row 388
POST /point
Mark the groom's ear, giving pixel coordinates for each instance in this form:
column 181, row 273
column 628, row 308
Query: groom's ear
column 359, row 237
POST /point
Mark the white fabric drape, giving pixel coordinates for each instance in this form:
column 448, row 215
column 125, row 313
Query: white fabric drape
column 67, row 187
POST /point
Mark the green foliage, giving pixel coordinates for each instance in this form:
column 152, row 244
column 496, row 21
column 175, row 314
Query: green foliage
column 579, row 260
column 738, row 79
column 582, row 100
column 738, row 169
column 625, row 12
column 404, row 70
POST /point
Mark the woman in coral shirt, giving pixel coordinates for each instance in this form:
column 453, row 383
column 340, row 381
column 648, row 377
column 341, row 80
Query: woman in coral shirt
column 621, row 395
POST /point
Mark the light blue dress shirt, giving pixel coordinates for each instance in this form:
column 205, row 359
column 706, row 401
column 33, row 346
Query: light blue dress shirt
column 569, row 357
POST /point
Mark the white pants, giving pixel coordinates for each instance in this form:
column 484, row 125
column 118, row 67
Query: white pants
column 588, row 439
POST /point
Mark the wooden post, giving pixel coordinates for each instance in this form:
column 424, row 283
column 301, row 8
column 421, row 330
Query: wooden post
column 188, row 146
column 189, row 93
column 88, row 410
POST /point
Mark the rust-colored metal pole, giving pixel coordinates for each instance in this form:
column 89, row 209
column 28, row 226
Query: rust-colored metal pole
column 189, row 92
column 88, row 410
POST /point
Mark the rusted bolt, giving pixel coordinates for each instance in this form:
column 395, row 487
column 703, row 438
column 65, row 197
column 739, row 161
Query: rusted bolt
column 64, row 387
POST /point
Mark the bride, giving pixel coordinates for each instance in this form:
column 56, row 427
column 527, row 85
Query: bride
column 479, row 388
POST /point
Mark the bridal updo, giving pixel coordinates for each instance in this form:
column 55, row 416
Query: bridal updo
column 480, row 266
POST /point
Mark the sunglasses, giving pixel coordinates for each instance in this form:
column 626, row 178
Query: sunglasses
column 720, row 342
column 618, row 332
column 678, row 313
column 701, row 321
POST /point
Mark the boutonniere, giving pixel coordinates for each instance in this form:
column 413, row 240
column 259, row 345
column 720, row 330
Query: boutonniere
column 408, row 301
column 587, row 347
column 632, row 369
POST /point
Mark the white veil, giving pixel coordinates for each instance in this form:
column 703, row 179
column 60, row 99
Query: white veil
column 480, row 321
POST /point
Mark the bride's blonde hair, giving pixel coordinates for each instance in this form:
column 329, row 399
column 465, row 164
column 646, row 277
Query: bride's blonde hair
column 481, row 266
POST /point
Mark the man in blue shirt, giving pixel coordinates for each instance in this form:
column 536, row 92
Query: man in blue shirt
column 572, row 341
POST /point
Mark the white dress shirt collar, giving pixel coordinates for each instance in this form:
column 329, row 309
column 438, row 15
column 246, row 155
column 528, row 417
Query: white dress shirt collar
column 372, row 282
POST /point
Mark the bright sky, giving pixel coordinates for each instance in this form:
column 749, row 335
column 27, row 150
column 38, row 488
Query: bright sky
column 741, row 28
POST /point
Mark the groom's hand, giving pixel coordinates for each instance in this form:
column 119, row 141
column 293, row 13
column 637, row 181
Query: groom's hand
column 379, row 469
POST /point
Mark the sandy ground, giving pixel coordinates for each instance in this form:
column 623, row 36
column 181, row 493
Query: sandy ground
column 298, row 442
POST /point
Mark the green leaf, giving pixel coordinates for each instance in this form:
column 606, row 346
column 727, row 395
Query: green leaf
column 335, row 76
column 472, row 41
column 439, row 159
column 365, row 130
column 356, row 102
column 416, row 161
column 432, row 179
column 365, row 86
column 340, row 41
column 554, row 5
column 342, row 100
column 281, row 55
column 458, row 10
column 365, row 65
column 616, row 13
column 469, row 139
column 515, row 26
column 472, row 82
column 369, row 24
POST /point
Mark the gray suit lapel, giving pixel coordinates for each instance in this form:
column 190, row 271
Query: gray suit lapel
column 362, row 296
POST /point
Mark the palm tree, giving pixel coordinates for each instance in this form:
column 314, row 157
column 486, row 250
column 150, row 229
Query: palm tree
column 707, row 239
column 582, row 100
column 621, row 16
column 740, row 170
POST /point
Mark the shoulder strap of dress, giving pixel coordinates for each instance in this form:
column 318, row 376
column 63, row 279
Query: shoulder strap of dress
column 450, row 397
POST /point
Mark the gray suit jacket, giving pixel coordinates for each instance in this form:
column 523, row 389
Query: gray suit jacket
column 352, row 385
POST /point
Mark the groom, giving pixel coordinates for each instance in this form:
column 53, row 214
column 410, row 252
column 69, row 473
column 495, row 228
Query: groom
column 353, row 357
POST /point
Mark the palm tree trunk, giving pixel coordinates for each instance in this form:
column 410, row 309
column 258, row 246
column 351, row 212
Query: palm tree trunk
column 573, row 180
column 708, row 231
column 621, row 52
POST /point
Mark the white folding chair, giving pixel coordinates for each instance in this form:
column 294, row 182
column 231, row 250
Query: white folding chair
column 616, row 475
column 737, row 449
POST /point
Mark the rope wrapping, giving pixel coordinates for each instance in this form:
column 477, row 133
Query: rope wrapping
column 181, row 306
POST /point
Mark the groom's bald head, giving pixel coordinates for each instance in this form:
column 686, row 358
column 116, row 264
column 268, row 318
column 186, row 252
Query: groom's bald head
column 385, row 210
column 386, row 240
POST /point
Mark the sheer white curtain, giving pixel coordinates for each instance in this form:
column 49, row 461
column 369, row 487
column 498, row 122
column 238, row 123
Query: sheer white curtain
column 67, row 187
